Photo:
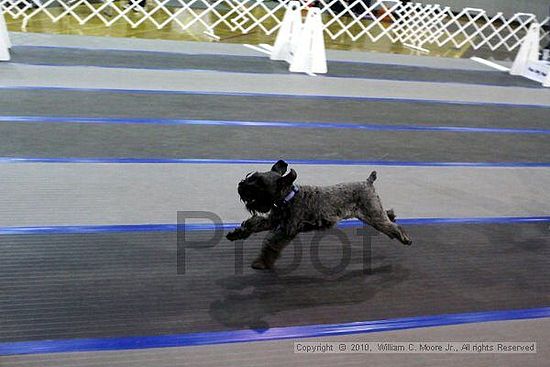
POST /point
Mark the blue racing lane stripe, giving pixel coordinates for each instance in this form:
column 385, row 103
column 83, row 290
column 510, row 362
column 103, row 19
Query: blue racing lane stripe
column 228, row 226
column 271, row 124
column 321, row 162
column 272, row 95
column 245, row 336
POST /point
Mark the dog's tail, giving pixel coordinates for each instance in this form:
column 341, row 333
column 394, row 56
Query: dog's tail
column 372, row 177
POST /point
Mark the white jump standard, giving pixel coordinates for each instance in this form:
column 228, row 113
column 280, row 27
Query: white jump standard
column 527, row 62
column 302, row 46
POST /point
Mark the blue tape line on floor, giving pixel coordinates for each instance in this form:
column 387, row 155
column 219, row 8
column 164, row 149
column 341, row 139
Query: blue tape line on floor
column 241, row 336
column 273, row 95
column 321, row 162
column 271, row 124
column 229, row 226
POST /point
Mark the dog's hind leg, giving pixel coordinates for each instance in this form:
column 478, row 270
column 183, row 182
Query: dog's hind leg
column 372, row 213
column 393, row 230
column 383, row 223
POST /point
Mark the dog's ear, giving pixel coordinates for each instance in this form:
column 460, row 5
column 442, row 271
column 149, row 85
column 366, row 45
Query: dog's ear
column 280, row 167
column 288, row 179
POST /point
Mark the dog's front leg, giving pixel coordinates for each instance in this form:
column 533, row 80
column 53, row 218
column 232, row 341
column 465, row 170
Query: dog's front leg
column 272, row 246
column 252, row 225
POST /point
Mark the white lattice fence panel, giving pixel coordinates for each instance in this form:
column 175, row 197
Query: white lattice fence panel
column 411, row 23
column 251, row 14
column 349, row 18
column 420, row 25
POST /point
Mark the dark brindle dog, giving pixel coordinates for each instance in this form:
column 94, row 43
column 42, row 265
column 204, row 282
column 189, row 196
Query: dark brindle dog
column 289, row 210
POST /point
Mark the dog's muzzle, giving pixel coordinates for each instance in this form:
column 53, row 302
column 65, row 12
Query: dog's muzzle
column 246, row 192
column 253, row 198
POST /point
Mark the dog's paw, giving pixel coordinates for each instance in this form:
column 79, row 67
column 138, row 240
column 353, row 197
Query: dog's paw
column 234, row 235
column 260, row 264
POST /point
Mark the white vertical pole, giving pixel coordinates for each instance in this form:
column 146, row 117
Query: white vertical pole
column 5, row 43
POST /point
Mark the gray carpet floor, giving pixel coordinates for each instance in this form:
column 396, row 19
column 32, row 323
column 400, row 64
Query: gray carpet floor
column 23, row 102
column 17, row 76
column 99, row 285
column 220, row 142
column 246, row 64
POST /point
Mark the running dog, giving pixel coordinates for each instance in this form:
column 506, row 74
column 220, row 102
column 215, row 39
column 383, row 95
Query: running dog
column 279, row 206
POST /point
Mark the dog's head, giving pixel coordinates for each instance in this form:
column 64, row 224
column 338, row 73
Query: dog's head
column 260, row 191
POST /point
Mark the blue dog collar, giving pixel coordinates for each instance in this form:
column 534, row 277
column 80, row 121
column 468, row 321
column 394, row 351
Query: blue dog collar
column 291, row 194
